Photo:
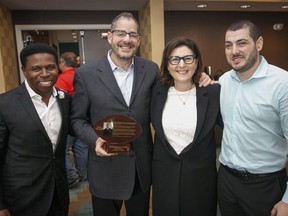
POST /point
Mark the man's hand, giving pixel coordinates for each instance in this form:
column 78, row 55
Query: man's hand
column 205, row 80
column 280, row 209
column 99, row 149
column 4, row 212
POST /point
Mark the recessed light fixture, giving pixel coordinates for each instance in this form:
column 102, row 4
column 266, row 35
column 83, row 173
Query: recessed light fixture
column 245, row 6
column 284, row 6
column 201, row 6
column 278, row 26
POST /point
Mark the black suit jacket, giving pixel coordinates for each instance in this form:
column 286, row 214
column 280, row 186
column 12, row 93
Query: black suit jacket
column 29, row 168
column 98, row 95
column 186, row 183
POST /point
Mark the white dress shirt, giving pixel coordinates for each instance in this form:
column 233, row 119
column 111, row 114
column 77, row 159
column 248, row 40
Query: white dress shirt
column 179, row 118
column 123, row 78
column 50, row 115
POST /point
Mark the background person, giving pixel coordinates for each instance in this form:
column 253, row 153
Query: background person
column 254, row 106
column 76, row 163
column 184, row 117
column 34, row 122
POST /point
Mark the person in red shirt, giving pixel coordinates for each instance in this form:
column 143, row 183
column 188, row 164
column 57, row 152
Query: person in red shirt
column 78, row 170
column 67, row 65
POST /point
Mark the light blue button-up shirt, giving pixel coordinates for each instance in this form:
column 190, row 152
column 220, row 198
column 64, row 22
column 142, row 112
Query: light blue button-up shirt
column 123, row 78
column 255, row 115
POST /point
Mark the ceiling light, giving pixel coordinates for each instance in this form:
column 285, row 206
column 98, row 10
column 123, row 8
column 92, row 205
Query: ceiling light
column 201, row 6
column 104, row 35
column 278, row 26
column 245, row 6
column 284, row 6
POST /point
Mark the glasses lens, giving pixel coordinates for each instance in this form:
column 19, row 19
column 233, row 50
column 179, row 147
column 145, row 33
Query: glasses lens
column 174, row 60
column 188, row 59
column 122, row 34
column 119, row 33
column 133, row 35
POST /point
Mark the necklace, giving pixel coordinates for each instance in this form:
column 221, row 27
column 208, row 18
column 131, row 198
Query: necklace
column 181, row 99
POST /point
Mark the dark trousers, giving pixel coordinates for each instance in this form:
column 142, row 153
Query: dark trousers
column 137, row 205
column 254, row 196
column 56, row 209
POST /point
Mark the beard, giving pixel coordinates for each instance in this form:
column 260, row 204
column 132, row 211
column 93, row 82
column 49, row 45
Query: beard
column 122, row 55
column 249, row 63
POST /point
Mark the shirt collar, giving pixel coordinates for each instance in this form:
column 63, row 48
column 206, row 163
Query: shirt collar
column 33, row 94
column 113, row 66
column 260, row 72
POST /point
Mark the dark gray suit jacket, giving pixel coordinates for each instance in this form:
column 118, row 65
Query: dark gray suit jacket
column 97, row 95
column 29, row 168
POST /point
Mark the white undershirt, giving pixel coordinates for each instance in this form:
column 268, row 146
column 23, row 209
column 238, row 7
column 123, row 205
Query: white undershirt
column 50, row 115
column 179, row 120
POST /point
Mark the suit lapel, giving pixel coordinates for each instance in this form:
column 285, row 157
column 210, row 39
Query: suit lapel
column 158, row 113
column 63, row 106
column 28, row 105
column 138, row 77
column 105, row 73
column 202, row 103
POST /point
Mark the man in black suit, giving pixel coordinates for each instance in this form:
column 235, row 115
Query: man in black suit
column 119, row 83
column 34, row 122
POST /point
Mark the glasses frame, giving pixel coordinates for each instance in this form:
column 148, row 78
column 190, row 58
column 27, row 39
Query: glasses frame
column 120, row 33
column 170, row 58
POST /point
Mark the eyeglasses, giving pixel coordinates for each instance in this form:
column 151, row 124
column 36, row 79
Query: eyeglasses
column 175, row 60
column 122, row 34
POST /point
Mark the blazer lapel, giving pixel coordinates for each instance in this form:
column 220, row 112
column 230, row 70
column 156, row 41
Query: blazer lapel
column 158, row 113
column 105, row 73
column 28, row 105
column 63, row 106
column 139, row 74
column 202, row 103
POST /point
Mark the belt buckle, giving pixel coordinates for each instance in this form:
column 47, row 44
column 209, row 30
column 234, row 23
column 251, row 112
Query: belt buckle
column 245, row 175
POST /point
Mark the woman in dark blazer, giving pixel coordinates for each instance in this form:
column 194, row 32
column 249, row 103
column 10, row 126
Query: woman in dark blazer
column 184, row 116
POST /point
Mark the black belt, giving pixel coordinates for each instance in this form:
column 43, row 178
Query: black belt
column 247, row 175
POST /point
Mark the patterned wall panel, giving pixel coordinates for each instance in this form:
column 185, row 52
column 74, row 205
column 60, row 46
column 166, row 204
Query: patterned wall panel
column 145, row 30
column 7, row 44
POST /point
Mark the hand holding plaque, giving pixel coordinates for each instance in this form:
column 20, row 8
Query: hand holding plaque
column 118, row 131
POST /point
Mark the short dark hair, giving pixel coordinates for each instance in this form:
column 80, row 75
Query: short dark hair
column 69, row 58
column 165, row 77
column 125, row 15
column 36, row 48
column 254, row 30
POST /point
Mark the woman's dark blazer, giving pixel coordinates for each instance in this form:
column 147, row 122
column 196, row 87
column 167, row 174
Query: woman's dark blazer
column 185, row 184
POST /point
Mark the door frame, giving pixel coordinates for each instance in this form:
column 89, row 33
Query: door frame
column 19, row 40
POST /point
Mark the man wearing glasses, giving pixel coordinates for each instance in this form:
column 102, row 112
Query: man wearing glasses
column 119, row 83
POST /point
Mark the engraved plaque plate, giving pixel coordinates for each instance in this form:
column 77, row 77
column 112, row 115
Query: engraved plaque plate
column 118, row 131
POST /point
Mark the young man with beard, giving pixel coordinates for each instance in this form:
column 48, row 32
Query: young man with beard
column 254, row 105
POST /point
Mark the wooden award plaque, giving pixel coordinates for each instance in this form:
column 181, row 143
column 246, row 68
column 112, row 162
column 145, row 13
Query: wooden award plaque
column 118, row 131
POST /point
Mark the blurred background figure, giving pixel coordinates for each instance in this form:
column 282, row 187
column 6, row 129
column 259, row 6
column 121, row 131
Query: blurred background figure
column 78, row 61
column 76, row 150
